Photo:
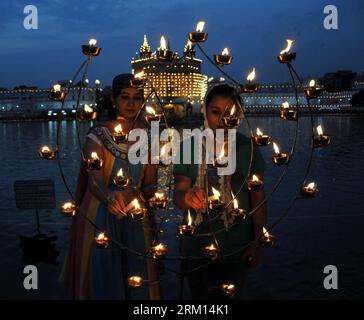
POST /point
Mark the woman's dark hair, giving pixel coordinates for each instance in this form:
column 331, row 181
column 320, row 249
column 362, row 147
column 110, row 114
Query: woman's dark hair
column 223, row 90
column 119, row 83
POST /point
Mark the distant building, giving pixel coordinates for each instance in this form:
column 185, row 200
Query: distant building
column 32, row 99
column 180, row 81
column 341, row 80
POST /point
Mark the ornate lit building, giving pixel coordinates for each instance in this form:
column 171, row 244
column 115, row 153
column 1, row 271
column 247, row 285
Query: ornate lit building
column 179, row 81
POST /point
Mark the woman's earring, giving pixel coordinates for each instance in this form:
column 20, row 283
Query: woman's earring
column 114, row 106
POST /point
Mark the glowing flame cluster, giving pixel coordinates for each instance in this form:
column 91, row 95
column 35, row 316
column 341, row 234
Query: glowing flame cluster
column 92, row 42
column 288, row 48
column 57, row 87
column 200, row 26
column 251, row 75
column 118, row 129
column 94, row 156
column 216, row 193
column 139, row 75
column 276, row 148
column 225, row 52
column 320, row 132
column 150, row 110
column 88, row 109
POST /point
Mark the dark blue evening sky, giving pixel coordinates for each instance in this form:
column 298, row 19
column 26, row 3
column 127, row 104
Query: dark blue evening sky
column 253, row 30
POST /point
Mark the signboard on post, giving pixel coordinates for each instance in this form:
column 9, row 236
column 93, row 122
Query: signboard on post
column 35, row 194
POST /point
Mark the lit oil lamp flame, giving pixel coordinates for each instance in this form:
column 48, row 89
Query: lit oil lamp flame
column 312, row 83
column 163, row 44
column 255, row 178
column 276, row 148
column 118, row 129
column 189, row 218
column 235, row 201
column 159, row 195
column 163, row 150
column 265, row 232
column 87, row 108
column 57, row 87
column 136, row 204
column 92, row 42
column 222, row 153
column 259, row 133
column 67, row 205
column 150, row 110
column 94, row 156
column 159, row 247
column 232, row 111
column 225, row 52
column 200, row 26
column 45, row 149
column 101, row 236
column 311, row 185
column 216, row 194
column 285, row 105
column 251, row 75
column 211, row 247
column 289, row 45
column 319, row 130
column 139, row 75
column 120, row 173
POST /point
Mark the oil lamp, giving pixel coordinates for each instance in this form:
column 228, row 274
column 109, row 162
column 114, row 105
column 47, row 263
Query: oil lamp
column 159, row 201
column 94, row 163
column 69, row 209
column 232, row 120
column 163, row 52
column 254, row 183
column 46, row 152
column 90, row 49
column 187, row 229
column 320, row 140
column 198, row 35
column 285, row 56
column 135, row 281
column 228, row 290
column 237, row 214
column 215, row 204
column 211, row 251
column 119, row 180
column 136, row 212
column 261, row 139
column 139, row 81
column 165, row 157
column 152, row 115
column 286, row 113
column 250, row 87
column 88, row 113
column 309, row 190
column 223, row 58
column 119, row 136
column 313, row 91
column 218, row 162
column 56, row 94
column 101, row 241
column 279, row 158
column 266, row 240
column 159, row 251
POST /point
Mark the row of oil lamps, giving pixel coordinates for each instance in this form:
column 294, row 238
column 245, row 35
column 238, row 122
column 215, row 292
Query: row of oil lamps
column 226, row 289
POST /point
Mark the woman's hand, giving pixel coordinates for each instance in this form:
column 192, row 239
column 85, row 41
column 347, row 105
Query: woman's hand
column 252, row 256
column 195, row 198
column 118, row 201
